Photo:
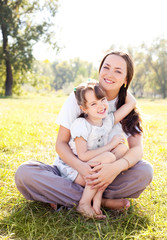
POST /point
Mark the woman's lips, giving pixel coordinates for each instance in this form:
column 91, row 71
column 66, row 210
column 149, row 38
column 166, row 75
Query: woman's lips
column 108, row 81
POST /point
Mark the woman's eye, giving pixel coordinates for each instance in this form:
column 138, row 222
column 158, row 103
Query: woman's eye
column 105, row 67
column 103, row 99
column 93, row 104
column 118, row 72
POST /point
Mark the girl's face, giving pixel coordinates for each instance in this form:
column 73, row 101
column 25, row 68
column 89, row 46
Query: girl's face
column 95, row 108
column 113, row 74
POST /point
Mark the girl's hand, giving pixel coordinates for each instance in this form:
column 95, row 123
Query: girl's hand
column 103, row 175
column 86, row 168
column 117, row 139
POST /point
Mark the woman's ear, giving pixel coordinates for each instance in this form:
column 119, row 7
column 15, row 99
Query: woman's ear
column 125, row 81
column 125, row 84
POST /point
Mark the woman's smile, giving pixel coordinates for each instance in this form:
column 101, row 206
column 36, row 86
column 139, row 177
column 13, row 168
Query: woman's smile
column 108, row 81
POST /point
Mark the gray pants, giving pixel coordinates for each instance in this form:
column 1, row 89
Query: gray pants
column 42, row 182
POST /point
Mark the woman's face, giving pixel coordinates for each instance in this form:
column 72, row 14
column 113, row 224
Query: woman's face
column 113, row 74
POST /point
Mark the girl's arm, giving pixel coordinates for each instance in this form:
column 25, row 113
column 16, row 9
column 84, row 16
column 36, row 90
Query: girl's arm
column 65, row 153
column 85, row 155
column 125, row 109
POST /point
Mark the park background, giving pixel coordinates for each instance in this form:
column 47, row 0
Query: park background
column 46, row 49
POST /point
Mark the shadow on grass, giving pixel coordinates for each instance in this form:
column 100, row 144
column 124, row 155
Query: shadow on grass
column 34, row 220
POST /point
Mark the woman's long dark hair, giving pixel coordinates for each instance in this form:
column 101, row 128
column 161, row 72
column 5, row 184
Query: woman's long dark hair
column 131, row 124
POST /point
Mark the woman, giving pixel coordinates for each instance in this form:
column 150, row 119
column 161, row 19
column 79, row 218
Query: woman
column 41, row 182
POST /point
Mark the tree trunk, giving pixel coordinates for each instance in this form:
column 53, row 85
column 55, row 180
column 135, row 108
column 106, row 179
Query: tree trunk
column 9, row 75
column 9, row 79
column 164, row 92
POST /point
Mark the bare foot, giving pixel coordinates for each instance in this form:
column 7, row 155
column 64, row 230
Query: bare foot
column 54, row 206
column 116, row 204
column 88, row 212
column 97, row 202
column 97, row 209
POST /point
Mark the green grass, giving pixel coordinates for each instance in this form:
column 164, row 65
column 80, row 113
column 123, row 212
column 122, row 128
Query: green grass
column 28, row 131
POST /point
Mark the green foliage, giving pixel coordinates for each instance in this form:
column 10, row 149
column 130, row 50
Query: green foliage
column 23, row 23
column 141, row 72
column 28, row 131
column 156, row 58
column 63, row 74
column 72, row 71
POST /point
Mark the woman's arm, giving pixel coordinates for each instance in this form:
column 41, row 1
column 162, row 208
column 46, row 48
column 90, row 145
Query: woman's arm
column 64, row 151
column 104, row 174
column 135, row 152
column 125, row 109
column 85, row 155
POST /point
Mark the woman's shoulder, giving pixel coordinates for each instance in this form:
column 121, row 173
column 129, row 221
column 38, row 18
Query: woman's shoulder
column 72, row 99
column 69, row 112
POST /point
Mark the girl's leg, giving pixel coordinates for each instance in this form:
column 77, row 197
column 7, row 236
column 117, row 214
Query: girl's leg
column 114, row 204
column 97, row 200
column 106, row 157
column 85, row 204
column 85, row 207
column 89, row 194
column 120, row 151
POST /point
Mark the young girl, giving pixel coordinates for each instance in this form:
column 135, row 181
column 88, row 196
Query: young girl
column 89, row 141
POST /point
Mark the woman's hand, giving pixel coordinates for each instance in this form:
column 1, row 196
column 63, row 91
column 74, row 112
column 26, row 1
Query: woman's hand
column 103, row 175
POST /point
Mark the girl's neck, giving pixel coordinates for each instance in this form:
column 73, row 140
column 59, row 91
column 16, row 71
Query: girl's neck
column 95, row 122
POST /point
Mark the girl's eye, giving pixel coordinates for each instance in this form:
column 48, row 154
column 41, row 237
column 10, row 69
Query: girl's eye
column 103, row 99
column 93, row 104
column 106, row 67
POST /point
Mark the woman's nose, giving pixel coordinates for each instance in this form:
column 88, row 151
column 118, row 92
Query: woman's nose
column 111, row 73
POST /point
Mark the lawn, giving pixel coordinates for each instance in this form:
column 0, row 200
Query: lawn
column 28, row 131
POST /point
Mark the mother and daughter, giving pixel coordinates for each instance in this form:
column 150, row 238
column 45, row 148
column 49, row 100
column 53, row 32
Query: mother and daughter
column 93, row 163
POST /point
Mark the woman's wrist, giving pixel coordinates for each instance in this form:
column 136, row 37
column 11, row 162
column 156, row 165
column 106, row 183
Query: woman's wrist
column 124, row 163
column 127, row 161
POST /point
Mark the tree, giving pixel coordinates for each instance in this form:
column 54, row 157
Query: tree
column 23, row 23
column 62, row 74
column 141, row 72
column 70, row 71
column 157, row 60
